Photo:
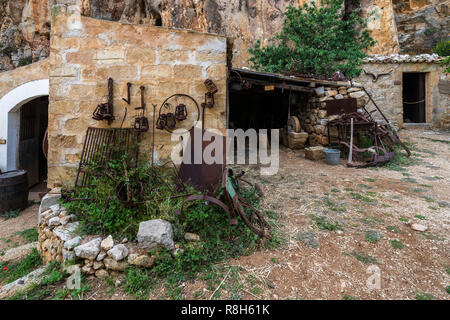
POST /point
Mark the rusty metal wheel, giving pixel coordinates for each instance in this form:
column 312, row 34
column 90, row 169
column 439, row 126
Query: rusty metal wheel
column 252, row 218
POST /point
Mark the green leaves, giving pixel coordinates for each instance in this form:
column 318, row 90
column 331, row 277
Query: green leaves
column 316, row 39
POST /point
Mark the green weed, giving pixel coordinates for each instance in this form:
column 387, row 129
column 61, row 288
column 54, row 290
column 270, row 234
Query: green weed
column 397, row 244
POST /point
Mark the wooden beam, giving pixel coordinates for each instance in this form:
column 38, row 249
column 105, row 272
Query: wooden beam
column 279, row 85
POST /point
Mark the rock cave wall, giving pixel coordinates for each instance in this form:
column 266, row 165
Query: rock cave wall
column 412, row 26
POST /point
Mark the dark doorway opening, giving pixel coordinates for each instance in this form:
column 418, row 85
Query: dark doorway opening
column 33, row 124
column 414, row 97
column 258, row 109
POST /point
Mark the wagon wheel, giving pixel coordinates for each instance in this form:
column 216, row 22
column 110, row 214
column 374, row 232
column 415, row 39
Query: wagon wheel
column 252, row 217
column 254, row 220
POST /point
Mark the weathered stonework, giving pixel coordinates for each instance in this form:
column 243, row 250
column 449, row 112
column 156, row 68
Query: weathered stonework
column 397, row 26
column 85, row 52
column 313, row 116
column 14, row 78
column 387, row 90
column 93, row 255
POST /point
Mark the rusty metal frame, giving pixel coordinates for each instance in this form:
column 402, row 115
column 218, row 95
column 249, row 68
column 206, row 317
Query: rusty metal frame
column 99, row 146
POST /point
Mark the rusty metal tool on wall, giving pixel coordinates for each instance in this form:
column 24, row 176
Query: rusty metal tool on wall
column 141, row 123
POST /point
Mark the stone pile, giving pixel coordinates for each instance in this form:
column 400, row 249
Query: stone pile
column 314, row 118
column 59, row 240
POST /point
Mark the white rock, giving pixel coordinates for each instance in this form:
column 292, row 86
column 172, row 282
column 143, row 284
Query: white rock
column 45, row 216
column 114, row 265
column 418, row 227
column 72, row 243
column 66, row 232
column 320, row 91
column 68, row 255
column 155, row 234
column 107, row 243
column 101, row 256
column 97, row 265
column 89, row 250
column 55, row 208
column 54, row 222
column 357, row 94
column 64, row 220
column 118, row 252
column 47, row 201
column 140, row 260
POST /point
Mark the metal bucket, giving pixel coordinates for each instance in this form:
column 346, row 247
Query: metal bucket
column 332, row 156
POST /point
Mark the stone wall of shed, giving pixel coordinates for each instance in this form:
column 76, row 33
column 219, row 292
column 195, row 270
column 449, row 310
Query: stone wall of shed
column 85, row 52
column 387, row 91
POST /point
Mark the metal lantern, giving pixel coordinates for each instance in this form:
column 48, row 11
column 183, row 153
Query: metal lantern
column 211, row 86
column 171, row 121
column 209, row 100
column 161, row 122
column 180, row 112
column 141, row 124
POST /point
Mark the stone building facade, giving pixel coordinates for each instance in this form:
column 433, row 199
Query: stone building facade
column 388, row 90
column 88, row 41
column 85, row 52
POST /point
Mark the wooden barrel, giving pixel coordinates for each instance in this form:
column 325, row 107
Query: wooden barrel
column 13, row 190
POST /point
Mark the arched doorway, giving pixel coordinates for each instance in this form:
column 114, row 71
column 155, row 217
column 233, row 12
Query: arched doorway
column 23, row 116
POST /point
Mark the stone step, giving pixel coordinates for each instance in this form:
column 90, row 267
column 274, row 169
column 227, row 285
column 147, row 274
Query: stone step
column 19, row 252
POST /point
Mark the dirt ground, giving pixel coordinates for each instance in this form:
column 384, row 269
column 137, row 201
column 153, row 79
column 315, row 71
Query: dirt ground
column 9, row 228
column 317, row 264
column 370, row 210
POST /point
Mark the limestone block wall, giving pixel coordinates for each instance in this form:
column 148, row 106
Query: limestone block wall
column 85, row 52
column 387, row 90
column 14, row 78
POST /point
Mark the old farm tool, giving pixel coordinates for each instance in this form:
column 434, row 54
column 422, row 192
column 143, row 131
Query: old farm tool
column 203, row 176
column 391, row 133
column 232, row 186
column 252, row 217
column 379, row 153
column 141, row 123
column 105, row 111
column 348, row 120
column 102, row 145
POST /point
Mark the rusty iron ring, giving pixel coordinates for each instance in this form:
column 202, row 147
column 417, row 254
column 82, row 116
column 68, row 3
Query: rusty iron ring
column 181, row 95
